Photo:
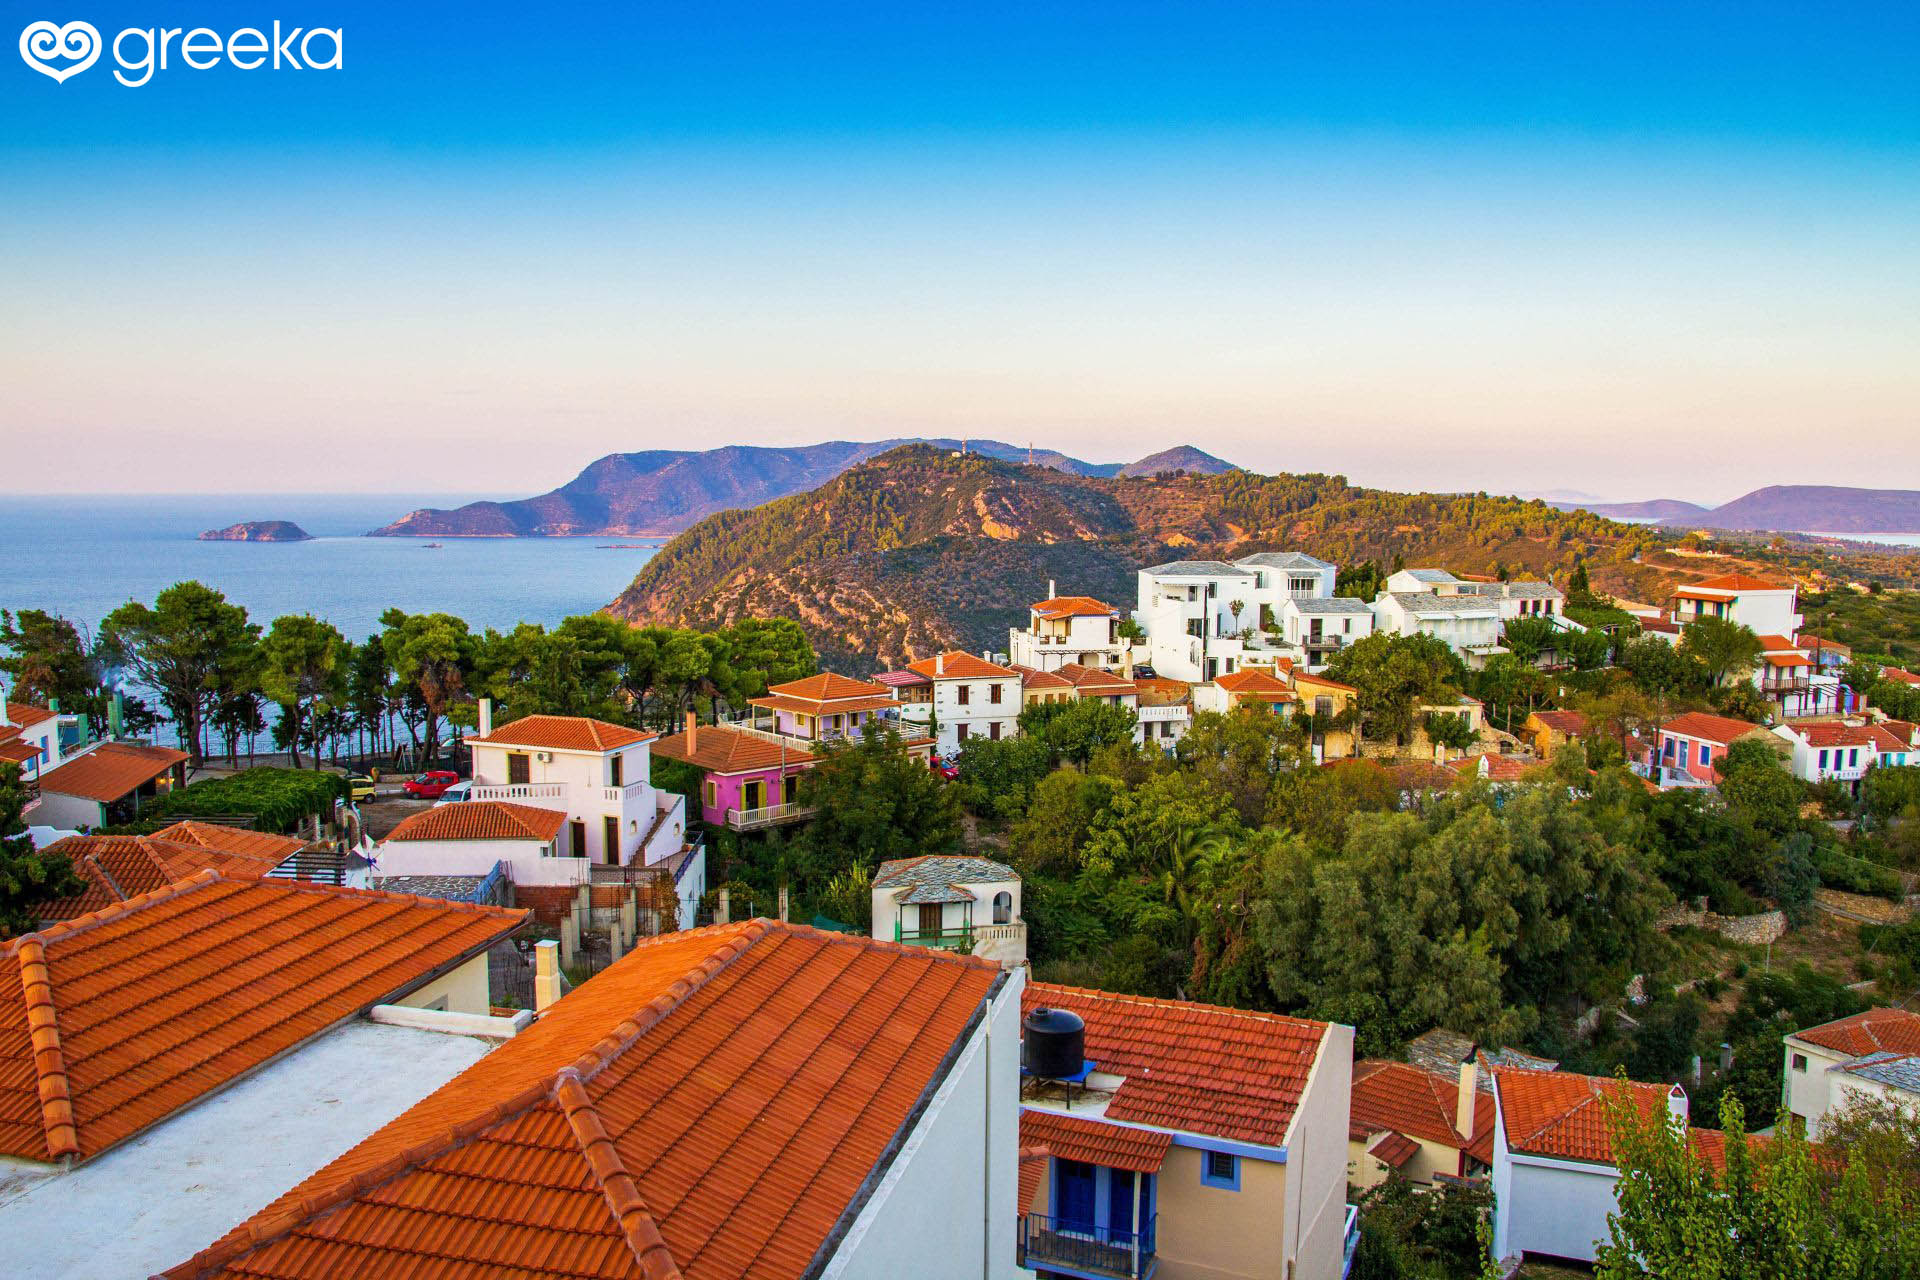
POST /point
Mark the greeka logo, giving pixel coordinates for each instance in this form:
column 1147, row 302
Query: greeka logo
column 77, row 41
column 138, row 52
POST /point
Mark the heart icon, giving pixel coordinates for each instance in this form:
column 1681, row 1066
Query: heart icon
column 79, row 41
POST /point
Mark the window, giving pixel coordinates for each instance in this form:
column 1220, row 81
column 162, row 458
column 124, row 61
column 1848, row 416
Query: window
column 964, row 694
column 1799, row 1062
column 1220, row 1169
column 993, row 694
column 616, row 770
column 993, row 730
column 519, row 770
column 1823, row 759
column 713, row 794
column 1003, row 907
column 1705, row 758
column 960, row 733
column 1853, row 757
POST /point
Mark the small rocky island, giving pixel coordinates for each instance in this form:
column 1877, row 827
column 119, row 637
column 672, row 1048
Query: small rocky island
column 258, row 531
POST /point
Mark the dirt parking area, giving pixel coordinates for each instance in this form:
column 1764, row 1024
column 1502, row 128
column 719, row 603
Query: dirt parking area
column 383, row 813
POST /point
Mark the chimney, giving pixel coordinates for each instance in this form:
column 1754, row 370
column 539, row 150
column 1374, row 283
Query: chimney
column 546, row 975
column 1051, row 592
column 1464, row 1098
column 723, row 909
column 116, row 714
column 783, row 904
column 1677, row 1104
column 486, row 717
column 939, row 664
column 693, row 731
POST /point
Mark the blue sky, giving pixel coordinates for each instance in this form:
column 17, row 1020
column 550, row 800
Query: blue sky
column 1616, row 248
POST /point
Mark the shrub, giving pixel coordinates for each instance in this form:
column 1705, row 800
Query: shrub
column 276, row 799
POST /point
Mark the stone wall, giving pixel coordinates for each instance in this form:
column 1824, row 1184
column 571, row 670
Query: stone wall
column 1756, row 930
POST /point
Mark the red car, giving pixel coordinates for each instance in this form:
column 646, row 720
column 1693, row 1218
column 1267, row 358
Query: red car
column 430, row 785
column 950, row 772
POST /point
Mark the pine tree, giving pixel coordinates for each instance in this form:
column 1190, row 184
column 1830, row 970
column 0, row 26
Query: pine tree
column 28, row 876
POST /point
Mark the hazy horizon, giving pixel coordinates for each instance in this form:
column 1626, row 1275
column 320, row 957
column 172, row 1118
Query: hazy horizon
column 1639, row 252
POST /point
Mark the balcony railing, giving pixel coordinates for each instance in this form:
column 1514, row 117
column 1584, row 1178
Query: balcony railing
column 1047, row 1242
column 620, row 795
column 961, row 939
column 518, row 791
column 1796, row 684
column 772, row 815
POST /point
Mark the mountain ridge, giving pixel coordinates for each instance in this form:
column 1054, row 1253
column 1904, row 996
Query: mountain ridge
column 916, row 551
column 1783, row 508
column 664, row 491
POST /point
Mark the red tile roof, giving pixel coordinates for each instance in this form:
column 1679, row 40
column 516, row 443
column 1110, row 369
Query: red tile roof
column 122, row 1017
column 1558, row 1113
column 727, row 750
column 110, row 771
column 1708, row 728
column 1899, row 676
column 1739, row 582
column 116, row 868
column 1394, row 1149
column 808, row 707
column 16, row 749
column 1406, row 1099
column 1194, row 1067
column 1094, row 681
column 711, row 1106
column 1074, row 607
column 24, row 715
column 1571, row 723
column 1033, row 1167
column 1303, row 677
column 1874, row 1031
column 1775, row 644
column 1807, row 640
column 1787, row 660
column 563, row 733
column 1893, row 735
column 482, row 820
column 1034, row 678
column 1828, row 733
column 1093, row 1141
column 263, row 849
column 1251, row 682
column 827, row 687
column 957, row 664
column 1494, row 767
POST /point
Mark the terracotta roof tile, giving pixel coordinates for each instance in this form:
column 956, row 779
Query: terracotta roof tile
column 1741, row 582
column 808, row 707
column 827, row 687
column 1112, row 1146
column 957, row 664
column 1394, row 1149
column 1094, row 681
column 482, row 820
column 1571, row 723
column 110, row 771
column 16, row 749
column 708, row 1107
column 1306, row 678
column 1074, row 607
column 1558, row 1113
column 1034, row 678
column 1888, row 739
column 1708, row 728
column 1409, row 1100
column 1033, row 1167
column 564, row 733
column 727, row 750
column 24, row 715
column 1787, row 660
column 1194, row 1067
column 1874, row 1031
column 1899, row 676
column 122, row 1017
column 1829, row 733
column 115, row 868
column 241, row 848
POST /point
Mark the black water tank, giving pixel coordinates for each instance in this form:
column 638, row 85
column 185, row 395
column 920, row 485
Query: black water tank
column 1054, row 1043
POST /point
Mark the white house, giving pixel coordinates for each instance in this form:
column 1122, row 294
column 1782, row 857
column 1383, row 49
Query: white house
column 958, row 903
column 1829, row 751
column 1896, row 744
column 106, row 782
column 1070, row 629
column 1317, row 627
column 968, row 697
column 1871, row 1054
column 595, row 773
column 1469, row 624
column 1206, row 618
column 36, row 738
column 1523, row 599
column 1553, row 1169
column 1768, row 608
column 1165, row 711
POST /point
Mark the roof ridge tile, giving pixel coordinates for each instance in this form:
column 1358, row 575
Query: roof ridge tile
column 49, row 1062
column 624, row 1036
column 126, row 906
column 622, row 1193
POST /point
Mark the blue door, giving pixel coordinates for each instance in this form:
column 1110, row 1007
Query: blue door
column 1073, row 1195
column 1120, row 1202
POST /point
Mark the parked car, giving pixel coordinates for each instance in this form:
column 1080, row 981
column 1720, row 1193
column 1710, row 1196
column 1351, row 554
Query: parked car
column 430, row 785
column 455, row 794
column 360, row 787
column 945, row 768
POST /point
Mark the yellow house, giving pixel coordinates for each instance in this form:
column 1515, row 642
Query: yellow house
column 1193, row 1143
column 1423, row 1124
column 1548, row 731
column 1326, row 700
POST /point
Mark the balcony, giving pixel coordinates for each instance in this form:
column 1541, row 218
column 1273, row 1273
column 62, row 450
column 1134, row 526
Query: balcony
column 961, row 939
column 1048, row 1242
column 622, row 795
column 520, row 792
column 772, row 815
column 1775, row 688
column 1323, row 644
column 1171, row 711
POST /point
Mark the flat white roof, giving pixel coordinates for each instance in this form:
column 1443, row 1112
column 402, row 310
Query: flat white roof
column 157, row 1200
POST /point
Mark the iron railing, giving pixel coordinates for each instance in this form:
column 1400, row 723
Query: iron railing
column 960, row 939
column 1047, row 1241
column 772, row 815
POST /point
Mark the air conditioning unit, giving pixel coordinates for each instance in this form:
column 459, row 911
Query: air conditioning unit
column 544, row 757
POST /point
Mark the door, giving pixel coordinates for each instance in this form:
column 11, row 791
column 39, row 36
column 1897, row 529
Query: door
column 1120, row 1203
column 577, row 835
column 519, row 770
column 790, row 788
column 610, row 833
column 930, row 918
column 1073, row 1195
column 753, row 795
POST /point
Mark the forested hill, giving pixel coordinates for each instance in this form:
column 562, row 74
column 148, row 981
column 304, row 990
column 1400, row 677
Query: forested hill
column 666, row 490
column 918, row 550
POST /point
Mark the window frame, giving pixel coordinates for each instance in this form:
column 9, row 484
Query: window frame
column 1208, row 1178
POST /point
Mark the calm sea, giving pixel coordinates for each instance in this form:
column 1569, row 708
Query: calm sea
column 81, row 557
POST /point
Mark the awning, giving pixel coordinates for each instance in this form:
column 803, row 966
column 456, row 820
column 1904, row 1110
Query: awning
column 1113, row 1146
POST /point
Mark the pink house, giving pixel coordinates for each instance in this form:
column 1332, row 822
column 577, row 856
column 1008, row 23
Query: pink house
column 1689, row 748
column 752, row 777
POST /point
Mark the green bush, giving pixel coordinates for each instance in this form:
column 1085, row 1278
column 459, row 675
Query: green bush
column 276, row 799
